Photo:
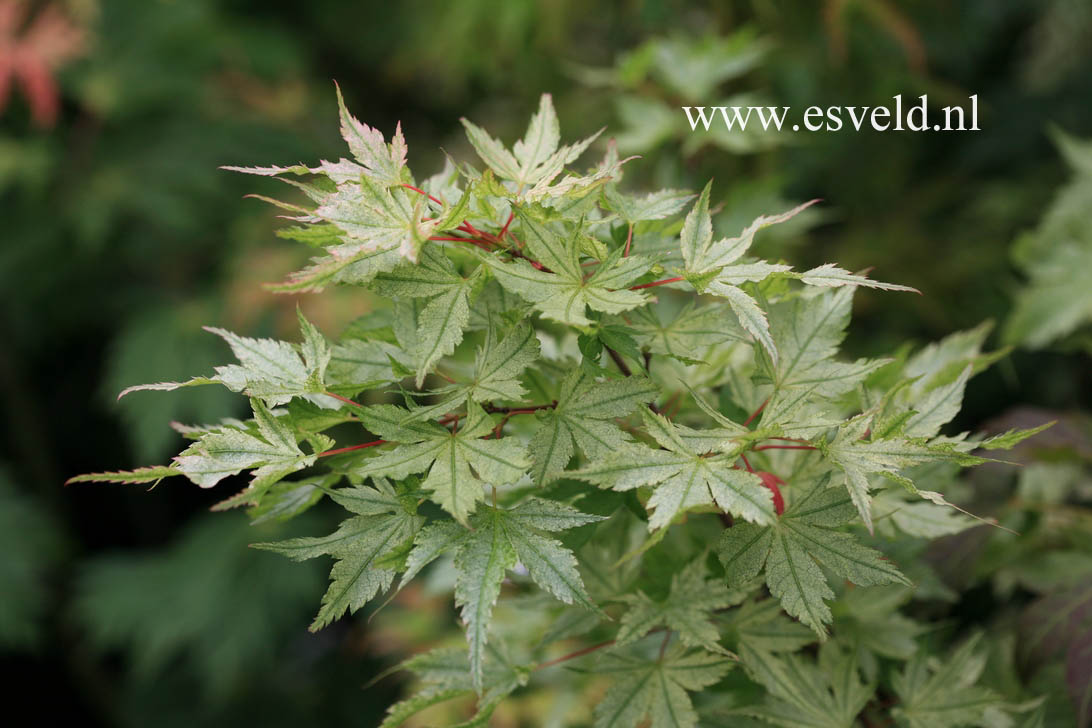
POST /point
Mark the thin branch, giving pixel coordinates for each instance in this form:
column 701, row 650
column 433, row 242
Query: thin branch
column 663, row 645
column 340, row 450
column 521, row 410
column 504, row 229
column 422, row 192
column 747, row 463
column 756, row 413
column 346, row 400
column 618, row 360
column 573, row 655
column 664, row 282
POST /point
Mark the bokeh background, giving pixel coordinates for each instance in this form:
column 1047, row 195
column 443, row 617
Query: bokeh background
column 121, row 606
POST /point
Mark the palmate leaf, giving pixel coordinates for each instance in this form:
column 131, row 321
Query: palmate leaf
column 564, row 294
column 536, row 160
column 583, row 417
column 459, row 464
column 688, row 334
column 653, row 206
column 762, row 626
column 716, row 265
column 492, row 545
column 684, row 476
column 496, row 374
column 788, row 550
column 807, row 333
column 385, row 163
column 383, row 525
column 686, row 610
column 827, row 694
column 656, row 690
column 270, row 450
column 719, row 267
column 381, row 228
column 445, row 674
column 856, row 457
column 1056, row 257
column 437, row 326
column 944, row 694
column 274, row 371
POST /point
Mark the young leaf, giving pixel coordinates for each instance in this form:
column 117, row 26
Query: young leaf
column 359, row 545
column 383, row 162
column 655, row 689
column 684, row 477
column 717, row 263
column 496, row 539
column 829, row 694
column 583, row 416
column 438, row 326
column 564, row 294
column 788, row 550
column 272, row 452
column 938, row 694
column 268, row 369
column 459, row 464
column 686, row 610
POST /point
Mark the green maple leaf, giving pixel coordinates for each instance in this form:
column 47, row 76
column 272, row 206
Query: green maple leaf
column 943, row 694
column 437, row 326
column 497, row 369
column 500, row 362
column 656, row 690
column 1057, row 259
column 807, row 333
column 934, row 380
column 270, row 449
column 869, row 619
column 763, row 626
column 826, row 694
column 788, row 550
column 686, row 610
column 688, row 334
column 274, row 371
column 359, row 364
column 383, row 526
column 583, row 417
column 365, row 226
column 684, row 473
column 536, row 160
column 385, row 163
column 717, row 265
column 653, row 206
column 445, row 674
column 459, row 464
column 857, row 457
column 492, row 545
column 564, row 293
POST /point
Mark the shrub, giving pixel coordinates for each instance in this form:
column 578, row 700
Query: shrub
column 641, row 435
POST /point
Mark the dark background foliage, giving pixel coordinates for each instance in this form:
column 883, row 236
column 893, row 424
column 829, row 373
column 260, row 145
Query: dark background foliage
column 121, row 238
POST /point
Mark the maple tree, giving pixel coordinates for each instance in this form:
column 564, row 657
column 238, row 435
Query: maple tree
column 582, row 398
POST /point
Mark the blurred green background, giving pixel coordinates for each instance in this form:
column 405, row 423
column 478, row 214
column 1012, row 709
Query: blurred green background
column 124, row 607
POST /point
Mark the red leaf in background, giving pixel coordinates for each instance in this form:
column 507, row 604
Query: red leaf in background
column 46, row 43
